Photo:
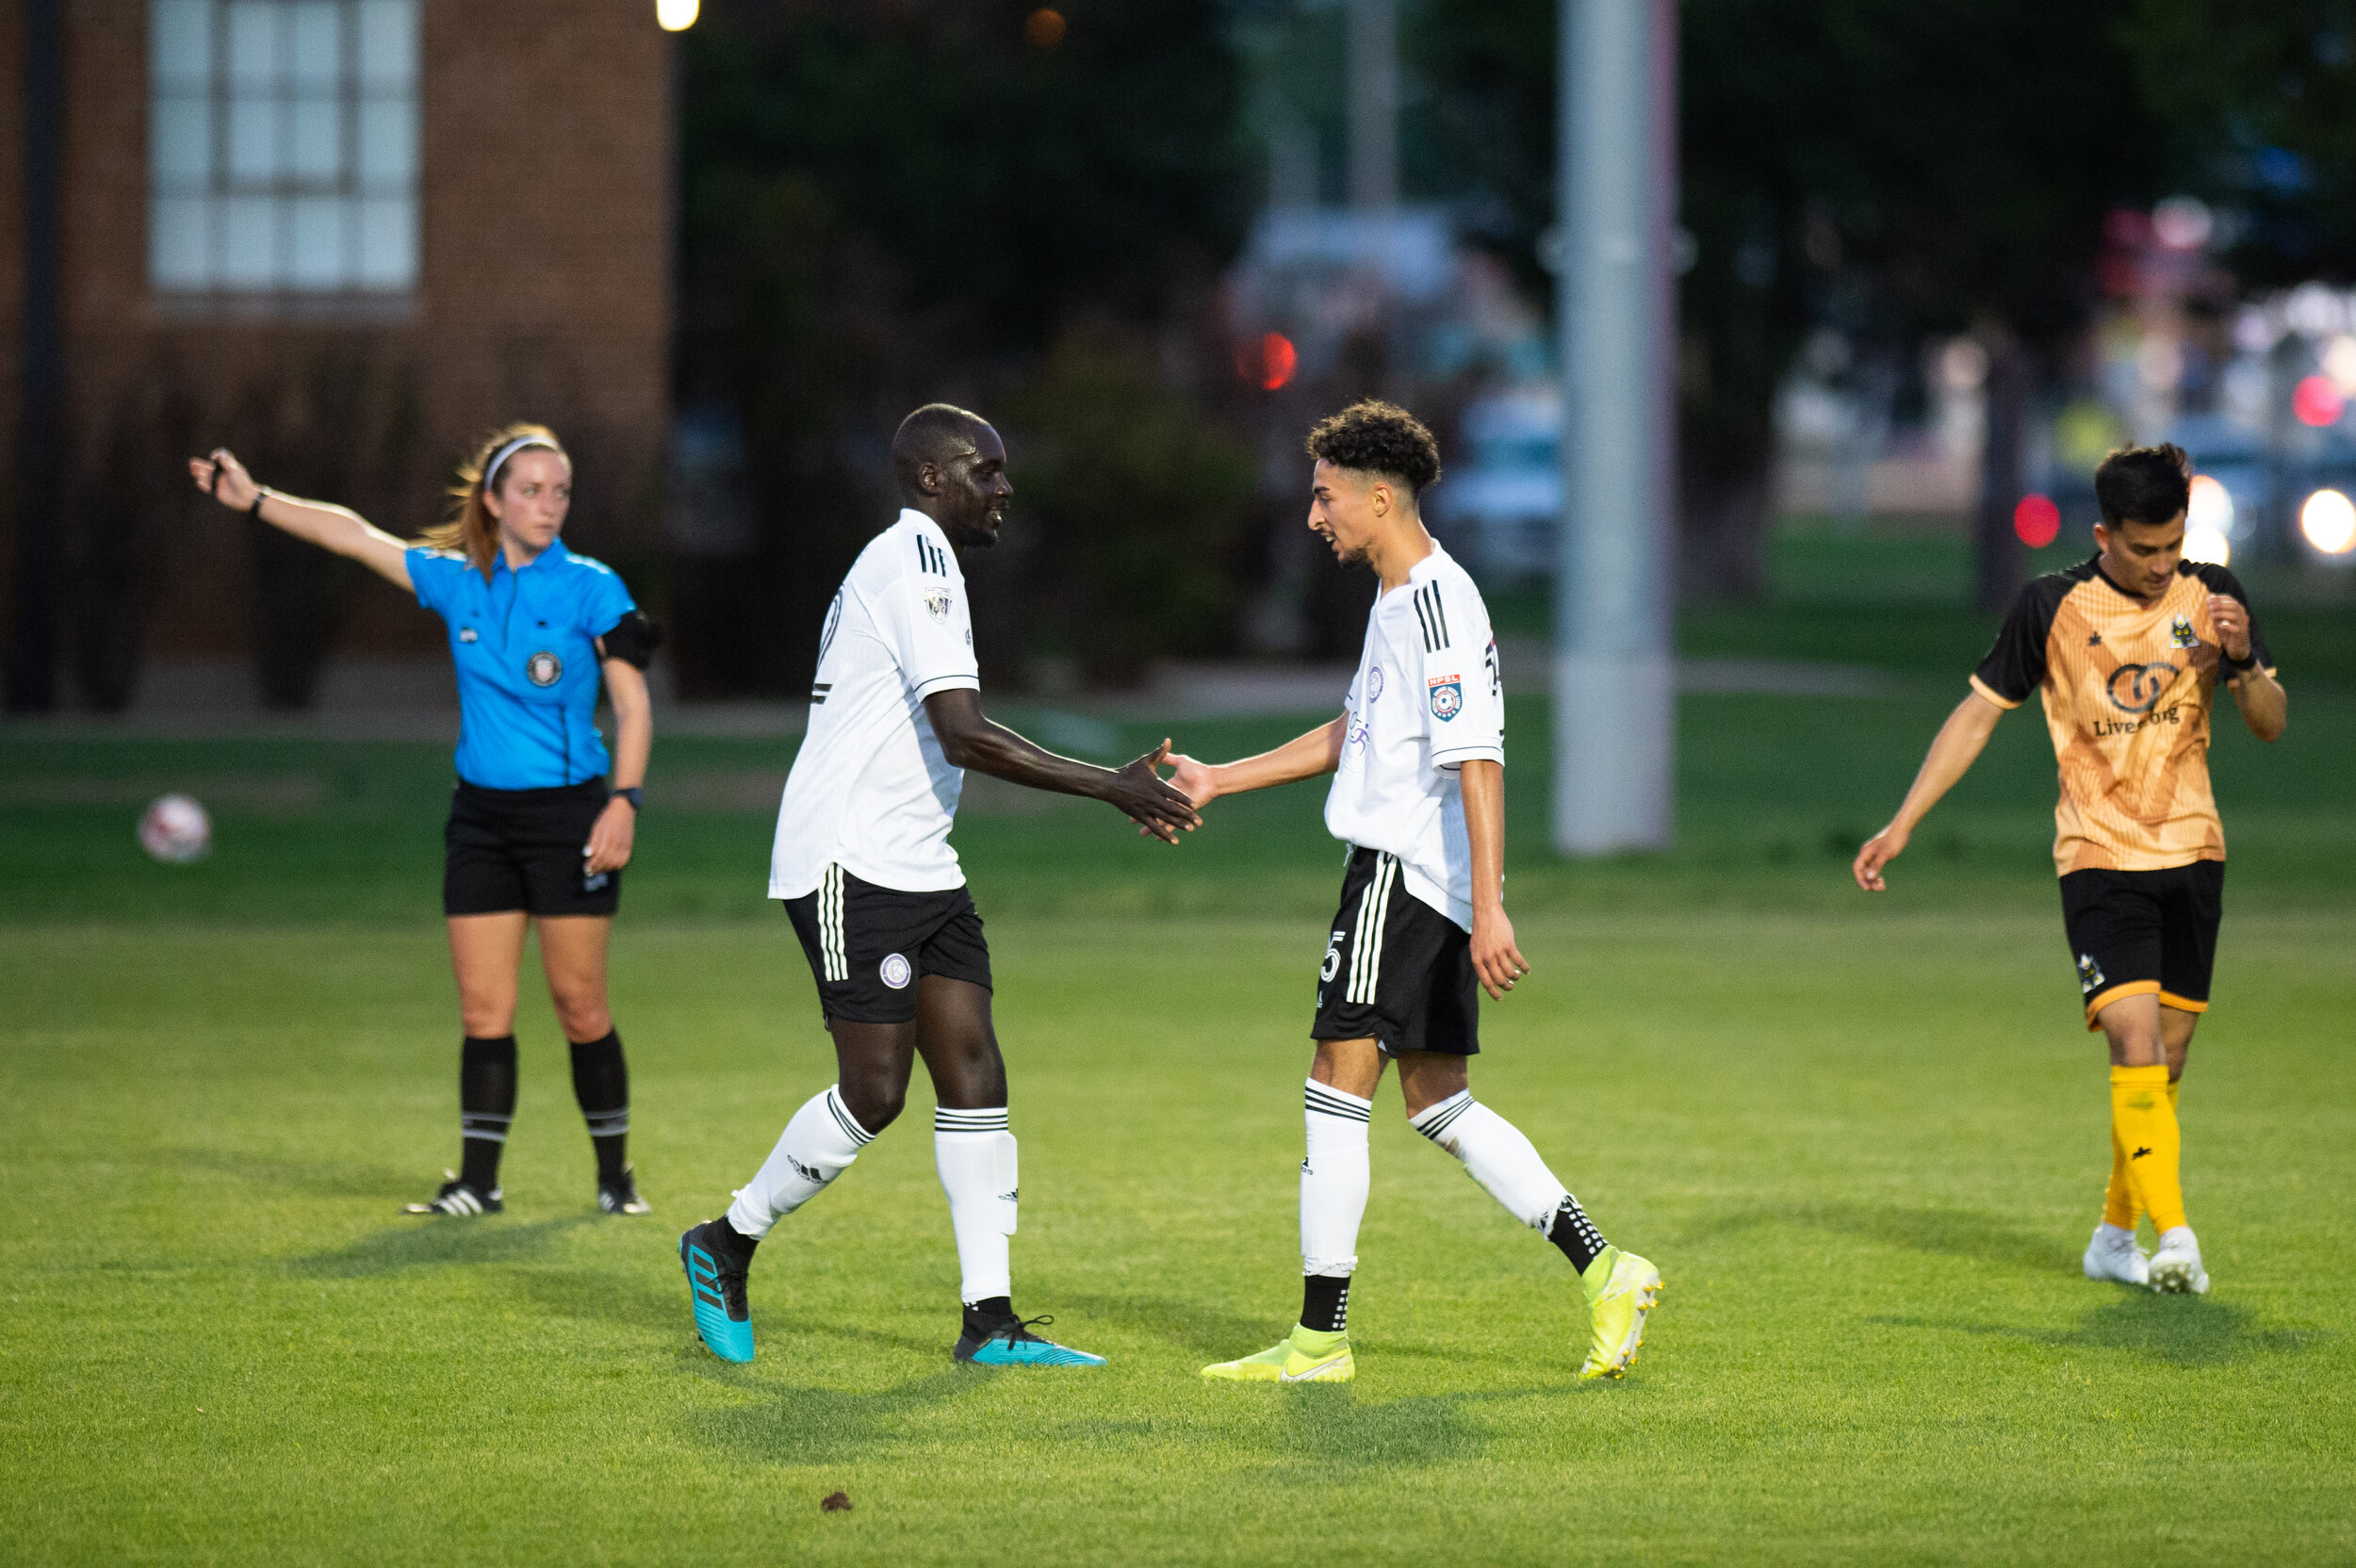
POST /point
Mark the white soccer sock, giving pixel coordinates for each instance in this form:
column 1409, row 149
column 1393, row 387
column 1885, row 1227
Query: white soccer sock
column 976, row 1158
column 1333, row 1181
column 1496, row 1155
column 818, row 1145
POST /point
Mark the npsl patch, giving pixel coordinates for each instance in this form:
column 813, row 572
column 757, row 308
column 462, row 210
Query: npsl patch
column 1448, row 697
column 2089, row 974
column 2179, row 633
column 543, row 669
column 937, row 605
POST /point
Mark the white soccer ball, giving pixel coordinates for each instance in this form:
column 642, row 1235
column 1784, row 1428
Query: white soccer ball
column 176, row 829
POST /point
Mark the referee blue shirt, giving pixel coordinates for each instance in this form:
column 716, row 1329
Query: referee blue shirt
column 527, row 662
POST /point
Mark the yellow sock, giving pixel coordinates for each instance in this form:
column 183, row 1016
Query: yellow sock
column 2119, row 1199
column 2143, row 1120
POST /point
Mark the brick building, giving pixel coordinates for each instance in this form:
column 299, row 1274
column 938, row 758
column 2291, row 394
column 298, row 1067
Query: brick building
column 340, row 236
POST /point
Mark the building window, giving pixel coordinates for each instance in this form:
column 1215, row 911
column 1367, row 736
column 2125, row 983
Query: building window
column 283, row 146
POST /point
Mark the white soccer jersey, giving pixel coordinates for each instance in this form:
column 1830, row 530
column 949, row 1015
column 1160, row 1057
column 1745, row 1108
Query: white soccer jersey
column 1427, row 699
column 870, row 789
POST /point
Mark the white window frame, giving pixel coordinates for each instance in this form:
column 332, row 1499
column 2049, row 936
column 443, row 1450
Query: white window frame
column 283, row 151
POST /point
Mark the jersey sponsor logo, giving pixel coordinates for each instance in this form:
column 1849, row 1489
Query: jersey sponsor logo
column 465, row 634
column 543, row 669
column 2179, row 633
column 2089, row 974
column 2134, row 688
column 1448, row 697
column 937, row 604
column 895, row 972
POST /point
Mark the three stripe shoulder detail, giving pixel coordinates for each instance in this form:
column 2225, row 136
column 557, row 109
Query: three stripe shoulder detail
column 1432, row 615
column 931, row 558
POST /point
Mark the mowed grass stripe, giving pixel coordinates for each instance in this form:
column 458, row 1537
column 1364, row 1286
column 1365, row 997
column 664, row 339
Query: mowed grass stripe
column 1865, row 1149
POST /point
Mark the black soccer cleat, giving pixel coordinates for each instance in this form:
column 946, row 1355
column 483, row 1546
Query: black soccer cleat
column 456, row 1199
column 620, row 1195
column 1008, row 1342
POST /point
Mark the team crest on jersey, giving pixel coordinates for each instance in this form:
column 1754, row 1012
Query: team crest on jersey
column 1448, row 697
column 2179, row 633
column 543, row 669
column 937, row 604
column 895, row 973
column 1374, row 685
column 2089, row 974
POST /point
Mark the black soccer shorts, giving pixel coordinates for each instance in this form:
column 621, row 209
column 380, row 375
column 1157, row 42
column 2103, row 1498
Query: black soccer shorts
column 521, row 849
column 868, row 945
column 1395, row 969
column 2138, row 932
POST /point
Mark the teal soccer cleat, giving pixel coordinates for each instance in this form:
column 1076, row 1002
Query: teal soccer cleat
column 1009, row 1342
column 715, row 1287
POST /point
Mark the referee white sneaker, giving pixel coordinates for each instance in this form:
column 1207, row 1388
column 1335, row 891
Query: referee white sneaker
column 2176, row 1266
column 2114, row 1255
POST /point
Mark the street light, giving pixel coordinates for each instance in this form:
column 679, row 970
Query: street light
column 675, row 16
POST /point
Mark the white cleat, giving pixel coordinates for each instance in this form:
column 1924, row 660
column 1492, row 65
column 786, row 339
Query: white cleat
column 2176, row 1266
column 2113, row 1255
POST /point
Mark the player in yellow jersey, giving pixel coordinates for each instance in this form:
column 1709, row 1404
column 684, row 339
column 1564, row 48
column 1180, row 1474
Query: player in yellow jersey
column 2127, row 650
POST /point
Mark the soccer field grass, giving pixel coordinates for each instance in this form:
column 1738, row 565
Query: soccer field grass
column 1864, row 1141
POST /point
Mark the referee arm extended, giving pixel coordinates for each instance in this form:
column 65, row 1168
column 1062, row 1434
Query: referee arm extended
column 334, row 528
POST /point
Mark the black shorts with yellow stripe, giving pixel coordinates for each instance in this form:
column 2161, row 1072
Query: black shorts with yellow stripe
column 1395, row 969
column 2145, row 932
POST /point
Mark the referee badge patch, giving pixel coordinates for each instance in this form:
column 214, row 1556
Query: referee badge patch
column 1448, row 697
column 543, row 669
column 895, row 972
column 937, row 604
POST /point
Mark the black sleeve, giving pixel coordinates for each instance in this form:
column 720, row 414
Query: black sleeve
column 632, row 639
column 2015, row 666
column 2219, row 581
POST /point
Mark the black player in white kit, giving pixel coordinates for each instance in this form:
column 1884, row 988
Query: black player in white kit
column 864, row 863
column 1418, row 793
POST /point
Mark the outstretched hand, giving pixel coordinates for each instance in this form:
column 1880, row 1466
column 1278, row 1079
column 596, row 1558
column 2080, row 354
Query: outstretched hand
column 1152, row 803
column 223, row 477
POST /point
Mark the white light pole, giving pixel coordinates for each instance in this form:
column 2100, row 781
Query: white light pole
column 1614, row 672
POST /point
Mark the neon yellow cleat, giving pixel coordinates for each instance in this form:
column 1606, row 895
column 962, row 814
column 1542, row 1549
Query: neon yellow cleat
column 1621, row 1289
column 1300, row 1357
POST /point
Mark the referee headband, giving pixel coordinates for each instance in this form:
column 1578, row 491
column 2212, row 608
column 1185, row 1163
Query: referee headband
column 491, row 469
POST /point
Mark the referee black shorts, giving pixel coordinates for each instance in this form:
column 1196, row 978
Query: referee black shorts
column 868, row 945
column 521, row 849
column 2140, row 932
column 1395, row 969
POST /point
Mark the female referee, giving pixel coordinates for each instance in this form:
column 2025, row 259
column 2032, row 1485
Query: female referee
column 535, row 833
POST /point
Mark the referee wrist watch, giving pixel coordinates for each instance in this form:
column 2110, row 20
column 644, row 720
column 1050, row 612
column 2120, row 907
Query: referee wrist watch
column 637, row 796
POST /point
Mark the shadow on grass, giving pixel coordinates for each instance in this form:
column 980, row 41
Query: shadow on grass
column 2176, row 1330
column 608, row 1295
column 1201, row 1333
column 1947, row 1233
column 428, row 1243
column 316, row 1178
column 800, row 1426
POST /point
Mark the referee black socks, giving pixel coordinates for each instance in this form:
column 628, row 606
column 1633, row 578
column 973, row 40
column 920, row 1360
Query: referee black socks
column 601, row 1084
column 486, row 1106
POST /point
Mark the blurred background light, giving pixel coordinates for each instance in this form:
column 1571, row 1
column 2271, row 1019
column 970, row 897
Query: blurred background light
column 2316, row 401
column 1045, row 28
column 675, row 16
column 2037, row 519
column 2211, row 508
column 2339, row 363
column 2328, row 521
column 1279, row 359
column 2182, row 223
column 2207, row 543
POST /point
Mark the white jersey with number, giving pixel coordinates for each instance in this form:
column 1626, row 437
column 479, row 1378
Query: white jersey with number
column 1427, row 700
column 870, row 789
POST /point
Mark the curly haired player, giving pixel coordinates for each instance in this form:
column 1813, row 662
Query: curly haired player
column 2127, row 648
column 1418, row 793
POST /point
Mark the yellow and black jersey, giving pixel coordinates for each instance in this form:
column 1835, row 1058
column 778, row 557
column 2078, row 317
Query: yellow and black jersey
column 2128, row 684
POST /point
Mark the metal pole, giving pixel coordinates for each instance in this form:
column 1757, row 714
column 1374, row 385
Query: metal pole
column 32, row 668
column 1374, row 105
column 1614, row 674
